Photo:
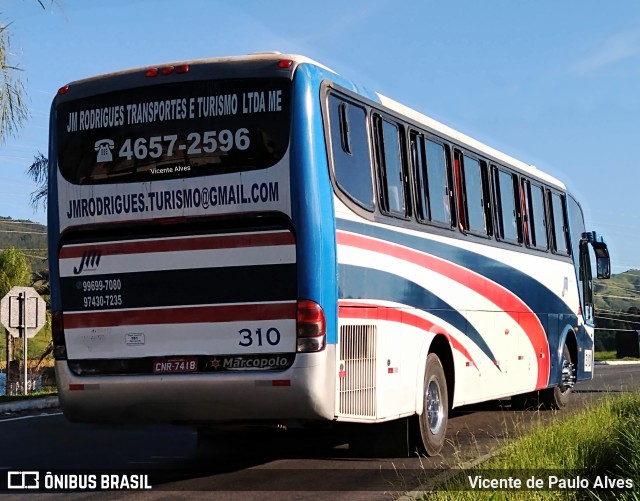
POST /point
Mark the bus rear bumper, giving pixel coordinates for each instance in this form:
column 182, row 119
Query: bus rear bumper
column 303, row 392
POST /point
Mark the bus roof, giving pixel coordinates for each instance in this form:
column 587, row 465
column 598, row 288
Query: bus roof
column 437, row 126
column 256, row 56
column 469, row 141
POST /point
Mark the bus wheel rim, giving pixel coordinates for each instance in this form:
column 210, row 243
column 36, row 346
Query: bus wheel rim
column 434, row 408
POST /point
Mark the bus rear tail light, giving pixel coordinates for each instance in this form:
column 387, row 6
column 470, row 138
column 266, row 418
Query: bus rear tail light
column 311, row 327
column 57, row 334
column 166, row 70
column 284, row 64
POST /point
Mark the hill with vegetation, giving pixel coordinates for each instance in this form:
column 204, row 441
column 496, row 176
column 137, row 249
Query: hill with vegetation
column 29, row 237
column 617, row 303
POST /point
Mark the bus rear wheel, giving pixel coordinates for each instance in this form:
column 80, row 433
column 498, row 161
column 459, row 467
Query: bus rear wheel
column 550, row 398
column 558, row 396
column 435, row 408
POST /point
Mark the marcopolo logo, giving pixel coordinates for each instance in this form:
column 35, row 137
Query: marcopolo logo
column 245, row 363
column 90, row 261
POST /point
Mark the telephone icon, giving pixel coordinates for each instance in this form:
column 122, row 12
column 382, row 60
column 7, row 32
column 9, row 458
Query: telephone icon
column 104, row 147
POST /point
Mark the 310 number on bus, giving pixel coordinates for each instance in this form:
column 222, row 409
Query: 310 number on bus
column 249, row 337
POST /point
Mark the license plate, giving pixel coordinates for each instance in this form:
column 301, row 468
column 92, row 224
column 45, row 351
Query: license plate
column 175, row 365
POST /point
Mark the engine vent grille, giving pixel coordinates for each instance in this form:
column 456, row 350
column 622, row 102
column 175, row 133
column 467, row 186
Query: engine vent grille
column 358, row 371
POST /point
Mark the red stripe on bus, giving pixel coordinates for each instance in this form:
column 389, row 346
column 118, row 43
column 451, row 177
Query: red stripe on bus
column 209, row 242
column 501, row 297
column 364, row 311
column 181, row 315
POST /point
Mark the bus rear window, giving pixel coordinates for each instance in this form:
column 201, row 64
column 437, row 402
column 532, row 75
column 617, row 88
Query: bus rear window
column 178, row 130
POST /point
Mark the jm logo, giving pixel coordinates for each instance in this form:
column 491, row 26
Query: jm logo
column 90, row 261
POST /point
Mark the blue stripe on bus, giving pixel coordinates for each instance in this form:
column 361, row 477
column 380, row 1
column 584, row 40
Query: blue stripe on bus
column 356, row 282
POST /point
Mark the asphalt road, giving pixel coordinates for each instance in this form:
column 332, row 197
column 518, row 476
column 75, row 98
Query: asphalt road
column 268, row 464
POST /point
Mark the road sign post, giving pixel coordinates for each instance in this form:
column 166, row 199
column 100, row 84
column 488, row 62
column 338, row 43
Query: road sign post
column 23, row 313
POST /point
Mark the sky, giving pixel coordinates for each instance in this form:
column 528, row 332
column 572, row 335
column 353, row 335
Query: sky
column 553, row 83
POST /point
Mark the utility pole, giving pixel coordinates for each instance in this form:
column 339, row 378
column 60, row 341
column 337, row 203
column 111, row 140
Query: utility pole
column 22, row 300
column 9, row 353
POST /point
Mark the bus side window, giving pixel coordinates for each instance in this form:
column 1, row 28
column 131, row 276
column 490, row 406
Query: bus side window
column 460, row 202
column 433, row 189
column 418, row 164
column 536, row 220
column 350, row 151
column 559, row 218
column 439, row 184
column 472, row 194
column 508, row 206
column 390, row 167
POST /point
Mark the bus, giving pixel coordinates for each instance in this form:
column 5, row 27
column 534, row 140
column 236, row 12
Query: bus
column 260, row 240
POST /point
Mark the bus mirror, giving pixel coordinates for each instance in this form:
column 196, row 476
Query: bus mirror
column 604, row 267
column 603, row 263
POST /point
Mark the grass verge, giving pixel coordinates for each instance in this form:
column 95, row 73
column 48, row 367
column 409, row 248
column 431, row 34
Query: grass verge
column 594, row 454
column 602, row 356
column 605, row 356
column 45, row 392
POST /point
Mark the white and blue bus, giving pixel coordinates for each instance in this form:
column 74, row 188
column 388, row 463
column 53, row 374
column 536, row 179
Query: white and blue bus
column 259, row 240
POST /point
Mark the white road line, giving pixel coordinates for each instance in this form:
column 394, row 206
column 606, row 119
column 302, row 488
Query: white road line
column 30, row 417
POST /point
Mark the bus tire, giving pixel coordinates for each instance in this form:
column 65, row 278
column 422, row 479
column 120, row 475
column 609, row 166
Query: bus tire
column 558, row 397
column 435, row 407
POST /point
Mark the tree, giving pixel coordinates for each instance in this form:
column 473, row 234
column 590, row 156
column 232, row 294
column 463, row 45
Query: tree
column 40, row 282
column 38, row 171
column 634, row 318
column 13, row 109
column 14, row 270
column 14, row 267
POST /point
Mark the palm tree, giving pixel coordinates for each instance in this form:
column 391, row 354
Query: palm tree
column 14, row 112
column 13, row 109
column 40, row 282
column 38, row 171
